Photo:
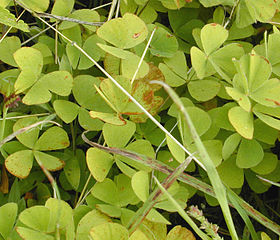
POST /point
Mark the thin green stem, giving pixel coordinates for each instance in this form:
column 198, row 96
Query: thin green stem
column 83, row 192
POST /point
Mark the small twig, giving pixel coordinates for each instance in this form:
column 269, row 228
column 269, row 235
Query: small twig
column 160, row 145
column 51, row 16
column 83, row 195
column 26, row 116
column 38, row 34
column 101, row 6
column 276, row 23
column 268, row 181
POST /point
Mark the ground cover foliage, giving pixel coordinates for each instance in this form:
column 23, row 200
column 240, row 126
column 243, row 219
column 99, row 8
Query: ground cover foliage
column 118, row 116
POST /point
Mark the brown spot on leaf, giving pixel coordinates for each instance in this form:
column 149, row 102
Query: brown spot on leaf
column 136, row 35
column 28, row 195
column 66, row 143
column 148, row 96
column 271, row 100
column 210, row 104
column 266, row 60
column 153, row 74
column 122, row 119
column 213, row 24
column 132, row 113
column 58, row 167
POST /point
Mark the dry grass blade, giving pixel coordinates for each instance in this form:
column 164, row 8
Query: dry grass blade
column 47, row 15
column 268, row 181
column 143, row 55
column 22, row 130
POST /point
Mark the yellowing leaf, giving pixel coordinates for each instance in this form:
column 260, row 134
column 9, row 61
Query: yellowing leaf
column 230, row 145
column 109, row 231
column 240, row 97
column 9, row 19
column 52, row 139
column 140, row 184
column 30, row 61
column 37, row 6
column 108, row 118
column 180, row 233
column 66, row 110
column 20, row 163
column 48, row 161
column 176, row 151
column 231, row 174
column 8, row 214
column 125, row 32
column 118, row 136
column 8, row 47
column 99, row 163
column 212, row 37
column 248, row 11
column 242, row 121
column 204, row 90
column 250, row 154
column 27, row 138
column 163, row 43
column 62, row 7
